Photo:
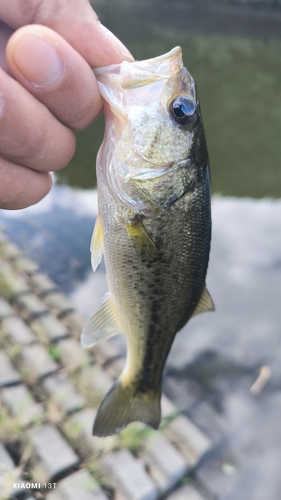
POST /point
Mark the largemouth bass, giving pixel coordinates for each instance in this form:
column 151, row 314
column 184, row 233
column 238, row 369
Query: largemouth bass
column 153, row 227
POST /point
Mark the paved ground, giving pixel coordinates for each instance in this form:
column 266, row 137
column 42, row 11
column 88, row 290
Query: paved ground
column 224, row 367
column 49, row 390
column 215, row 361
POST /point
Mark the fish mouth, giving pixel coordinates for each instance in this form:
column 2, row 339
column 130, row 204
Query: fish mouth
column 139, row 73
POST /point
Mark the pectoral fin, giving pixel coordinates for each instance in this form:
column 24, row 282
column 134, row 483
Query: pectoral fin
column 141, row 240
column 205, row 303
column 97, row 244
column 102, row 325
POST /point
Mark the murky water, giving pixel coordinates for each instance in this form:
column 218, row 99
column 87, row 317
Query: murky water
column 238, row 79
column 217, row 357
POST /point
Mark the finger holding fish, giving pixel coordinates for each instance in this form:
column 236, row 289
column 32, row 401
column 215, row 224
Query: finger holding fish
column 49, row 47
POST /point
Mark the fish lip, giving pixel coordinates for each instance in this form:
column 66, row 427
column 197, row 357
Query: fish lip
column 154, row 61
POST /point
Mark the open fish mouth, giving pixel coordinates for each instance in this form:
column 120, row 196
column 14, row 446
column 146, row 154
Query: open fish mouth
column 139, row 73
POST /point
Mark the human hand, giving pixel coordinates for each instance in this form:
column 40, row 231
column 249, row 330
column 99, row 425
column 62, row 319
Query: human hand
column 54, row 90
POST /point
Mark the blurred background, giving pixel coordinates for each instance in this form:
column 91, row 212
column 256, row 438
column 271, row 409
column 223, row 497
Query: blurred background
column 233, row 51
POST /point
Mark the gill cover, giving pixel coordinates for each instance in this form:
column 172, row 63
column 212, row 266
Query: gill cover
column 144, row 140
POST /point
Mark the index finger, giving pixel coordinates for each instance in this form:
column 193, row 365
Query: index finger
column 75, row 21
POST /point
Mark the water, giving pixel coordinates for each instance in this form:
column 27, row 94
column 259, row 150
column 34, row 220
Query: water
column 235, row 60
column 238, row 79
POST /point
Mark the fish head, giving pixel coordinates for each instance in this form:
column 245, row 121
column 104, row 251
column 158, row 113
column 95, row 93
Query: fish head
column 152, row 113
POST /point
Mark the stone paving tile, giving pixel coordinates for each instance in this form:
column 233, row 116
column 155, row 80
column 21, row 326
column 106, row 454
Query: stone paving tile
column 115, row 368
column 53, row 451
column 72, row 355
column 80, row 426
column 188, row 438
column 30, row 306
column 129, row 473
column 49, row 328
column 21, row 404
column 75, row 321
column 6, row 310
column 104, row 352
column 58, row 303
column 9, row 474
column 54, row 495
column 27, row 266
column 42, row 284
column 209, row 421
column 185, row 493
column 185, row 392
column 11, row 284
column 9, row 250
column 5, row 458
column 219, row 482
column 78, row 486
column 166, row 465
column 8, row 375
column 18, row 331
column 62, row 392
column 38, row 361
column 96, row 381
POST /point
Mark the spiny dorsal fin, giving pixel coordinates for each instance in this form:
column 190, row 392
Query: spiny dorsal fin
column 205, row 303
column 102, row 325
column 141, row 240
column 97, row 244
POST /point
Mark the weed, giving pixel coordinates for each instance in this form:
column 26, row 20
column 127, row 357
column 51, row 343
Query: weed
column 94, row 466
column 10, row 428
column 55, row 352
column 133, row 436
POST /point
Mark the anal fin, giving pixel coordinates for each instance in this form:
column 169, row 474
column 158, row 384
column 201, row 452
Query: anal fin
column 102, row 325
column 97, row 244
column 205, row 303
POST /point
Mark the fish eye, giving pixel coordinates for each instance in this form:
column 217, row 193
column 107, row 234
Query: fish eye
column 183, row 110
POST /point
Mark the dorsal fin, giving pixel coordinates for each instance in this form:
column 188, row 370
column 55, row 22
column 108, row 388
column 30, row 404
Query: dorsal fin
column 205, row 303
column 97, row 244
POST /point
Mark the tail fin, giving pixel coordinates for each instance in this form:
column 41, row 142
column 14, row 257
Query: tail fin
column 123, row 405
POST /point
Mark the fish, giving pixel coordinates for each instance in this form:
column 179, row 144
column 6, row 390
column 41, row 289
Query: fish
column 153, row 227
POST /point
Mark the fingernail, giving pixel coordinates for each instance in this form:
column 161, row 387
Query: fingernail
column 117, row 43
column 37, row 59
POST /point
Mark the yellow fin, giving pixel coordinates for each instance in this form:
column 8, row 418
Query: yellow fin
column 97, row 244
column 205, row 303
column 141, row 240
column 102, row 325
